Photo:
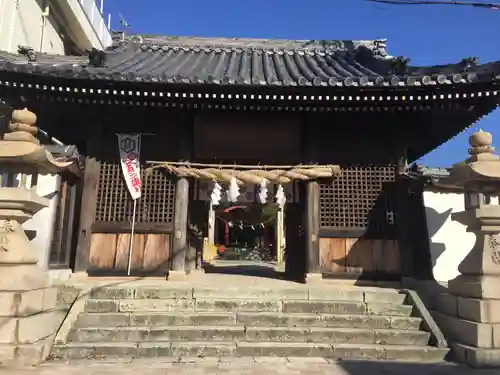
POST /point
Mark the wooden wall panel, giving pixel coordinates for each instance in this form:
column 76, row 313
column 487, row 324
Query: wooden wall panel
column 359, row 256
column 156, row 252
column 121, row 258
column 109, row 252
column 332, row 255
column 102, row 250
column 137, row 259
column 267, row 137
column 391, row 256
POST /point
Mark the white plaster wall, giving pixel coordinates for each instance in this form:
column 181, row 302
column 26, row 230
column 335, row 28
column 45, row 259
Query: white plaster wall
column 43, row 221
column 449, row 241
column 21, row 23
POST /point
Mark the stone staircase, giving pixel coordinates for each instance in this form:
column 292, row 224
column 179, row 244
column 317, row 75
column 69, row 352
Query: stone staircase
column 156, row 321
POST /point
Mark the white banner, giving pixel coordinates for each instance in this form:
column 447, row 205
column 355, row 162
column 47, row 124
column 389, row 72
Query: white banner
column 130, row 150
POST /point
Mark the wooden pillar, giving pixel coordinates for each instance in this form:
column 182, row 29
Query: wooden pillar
column 211, row 225
column 88, row 199
column 181, row 258
column 180, row 226
column 311, row 135
column 89, row 196
column 417, row 228
column 402, row 214
column 312, row 227
column 280, row 237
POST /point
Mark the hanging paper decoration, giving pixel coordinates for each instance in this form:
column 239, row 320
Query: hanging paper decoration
column 241, row 225
column 233, row 191
column 216, row 195
column 262, row 225
column 230, row 223
column 263, row 192
column 253, row 228
column 280, row 197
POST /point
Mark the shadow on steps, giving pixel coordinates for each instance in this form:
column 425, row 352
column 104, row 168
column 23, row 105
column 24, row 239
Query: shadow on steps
column 248, row 268
column 362, row 367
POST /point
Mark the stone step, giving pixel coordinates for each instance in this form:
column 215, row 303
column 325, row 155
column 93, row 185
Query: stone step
column 94, row 320
column 249, row 305
column 328, row 320
column 337, row 351
column 236, row 333
column 333, row 307
column 297, row 293
column 78, row 350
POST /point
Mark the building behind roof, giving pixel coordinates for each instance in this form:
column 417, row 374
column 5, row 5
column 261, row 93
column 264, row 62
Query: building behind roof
column 57, row 27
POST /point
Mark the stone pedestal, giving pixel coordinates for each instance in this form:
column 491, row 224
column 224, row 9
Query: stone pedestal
column 28, row 316
column 470, row 312
column 472, row 326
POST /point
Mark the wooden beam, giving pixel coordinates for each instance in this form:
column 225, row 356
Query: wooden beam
column 312, row 227
column 180, row 225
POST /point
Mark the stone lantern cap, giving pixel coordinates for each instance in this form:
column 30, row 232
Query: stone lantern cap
column 19, row 153
column 482, row 166
column 19, row 147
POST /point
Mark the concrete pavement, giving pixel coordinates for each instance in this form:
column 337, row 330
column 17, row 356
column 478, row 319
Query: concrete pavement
column 243, row 366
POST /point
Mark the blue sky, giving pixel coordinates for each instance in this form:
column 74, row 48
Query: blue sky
column 427, row 34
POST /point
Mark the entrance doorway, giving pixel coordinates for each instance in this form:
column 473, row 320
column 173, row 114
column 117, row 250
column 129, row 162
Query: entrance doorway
column 249, row 230
column 246, row 237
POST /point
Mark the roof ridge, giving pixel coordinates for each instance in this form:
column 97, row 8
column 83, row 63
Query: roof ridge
column 378, row 45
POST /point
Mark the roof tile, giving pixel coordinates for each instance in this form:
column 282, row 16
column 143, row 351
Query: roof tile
column 245, row 62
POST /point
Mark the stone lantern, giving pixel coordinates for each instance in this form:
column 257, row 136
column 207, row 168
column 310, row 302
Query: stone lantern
column 28, row 316
column 471, row 314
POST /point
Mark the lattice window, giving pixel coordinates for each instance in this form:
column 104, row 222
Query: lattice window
column 114, row 204
column 359, row 199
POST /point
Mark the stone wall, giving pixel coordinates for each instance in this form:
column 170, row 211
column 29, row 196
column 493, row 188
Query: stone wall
column 29, row 321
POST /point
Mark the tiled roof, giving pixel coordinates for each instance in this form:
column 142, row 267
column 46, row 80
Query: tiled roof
column 260, row 62
column 430, row 172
